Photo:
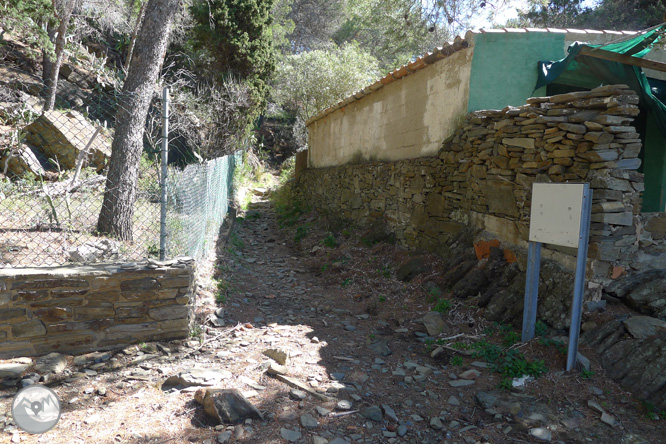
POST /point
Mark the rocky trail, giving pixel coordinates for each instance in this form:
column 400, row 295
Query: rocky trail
column 324, row 344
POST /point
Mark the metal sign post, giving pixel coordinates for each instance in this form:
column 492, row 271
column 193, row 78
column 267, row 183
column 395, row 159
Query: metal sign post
column 560, row 215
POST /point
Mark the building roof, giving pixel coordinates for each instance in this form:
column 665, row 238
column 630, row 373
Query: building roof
column 551, row 30
column 448, row 49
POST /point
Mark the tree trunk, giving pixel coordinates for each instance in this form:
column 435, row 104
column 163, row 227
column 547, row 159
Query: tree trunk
column 116, row 216
column 47, row 62
column 130, row 50
column 52, row 81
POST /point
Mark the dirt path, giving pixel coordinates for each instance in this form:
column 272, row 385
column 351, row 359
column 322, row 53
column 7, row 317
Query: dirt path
column 355, row 340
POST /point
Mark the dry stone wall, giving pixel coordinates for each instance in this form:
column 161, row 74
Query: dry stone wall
column 483, row 176
column 80, row 309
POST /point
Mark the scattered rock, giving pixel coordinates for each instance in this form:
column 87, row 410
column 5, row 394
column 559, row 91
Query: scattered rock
column 224, row 437
column 198, row 377
column 290, row 435
column 298, row 395
column 433, row 323
column 608, row 419
column 436, row 423
column 279, row 355
column 322, row 411
column 227, row 405
column 461, row 383
column 276, row 369
column 373, row 413
column 12, row 370
column 470, row 374
column 380, row 347
column 343, row 404
column 308, row 421
column 389, row 413
column 486, row 400
column 541, row 433
column 402, row 430
column 413, row 268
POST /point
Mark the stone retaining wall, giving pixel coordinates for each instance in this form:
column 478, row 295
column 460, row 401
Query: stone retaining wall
column 484, row 173
column 81, row 309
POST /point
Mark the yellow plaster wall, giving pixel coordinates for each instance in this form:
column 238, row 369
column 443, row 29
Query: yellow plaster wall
column 406, row 119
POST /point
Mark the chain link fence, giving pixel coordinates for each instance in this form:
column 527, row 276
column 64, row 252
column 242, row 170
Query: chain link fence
column 53, row 167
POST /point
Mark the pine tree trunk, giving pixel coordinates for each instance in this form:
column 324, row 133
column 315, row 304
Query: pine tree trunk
column 116, row 216
column 54, row 70
column 130, row 50
column 47, row 63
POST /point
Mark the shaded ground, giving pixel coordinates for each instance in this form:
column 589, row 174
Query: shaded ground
column 331, row 299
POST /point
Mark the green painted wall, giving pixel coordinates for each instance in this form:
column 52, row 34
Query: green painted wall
column 654, row 168
column 504, row 67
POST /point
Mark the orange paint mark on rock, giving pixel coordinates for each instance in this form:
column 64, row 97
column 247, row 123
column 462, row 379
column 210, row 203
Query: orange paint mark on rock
column 617, row 271
column 510, row 256
column 482, row 248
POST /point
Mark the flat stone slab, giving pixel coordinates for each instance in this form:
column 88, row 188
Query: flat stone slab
column 198, row 377
column 461, row 383
column 12, row 370
column 641, row 327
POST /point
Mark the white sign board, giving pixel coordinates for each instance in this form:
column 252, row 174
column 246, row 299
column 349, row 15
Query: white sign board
column 556, row 213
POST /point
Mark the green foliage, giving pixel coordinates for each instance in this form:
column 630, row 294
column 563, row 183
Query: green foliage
column 301, row 232
column 509, row 338
column 236, row 241
column 505, row 384
column 586, row 374
column 651, row 411
column 510, row 363
column 555, row 13
column 235, row 39
column 456, row 360
column 442, row 306
column 311, row 81
column 385, row 271
column 559, row 345
column 540, row 328
column 604, row 14
column 25, row 17
column 382, row 298
column 196, row 332
column 401, row 32
column 330, row 241
column 287, row 170
column 346, row 283
column 429, row 344
column 221, row 294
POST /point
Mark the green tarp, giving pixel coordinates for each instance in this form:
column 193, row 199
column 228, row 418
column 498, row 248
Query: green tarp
column 590, row 72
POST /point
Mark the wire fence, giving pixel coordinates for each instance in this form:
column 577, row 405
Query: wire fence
column 53, row 176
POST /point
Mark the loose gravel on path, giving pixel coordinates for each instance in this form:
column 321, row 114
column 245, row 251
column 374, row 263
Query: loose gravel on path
column 356, row 357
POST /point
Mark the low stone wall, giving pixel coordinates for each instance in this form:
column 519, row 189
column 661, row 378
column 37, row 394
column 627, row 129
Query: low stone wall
column 483, row 176
column 81, row 309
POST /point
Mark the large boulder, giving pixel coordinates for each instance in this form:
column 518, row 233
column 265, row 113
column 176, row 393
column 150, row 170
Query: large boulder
column 227, row 406
column 21, row 162
column 63, row 135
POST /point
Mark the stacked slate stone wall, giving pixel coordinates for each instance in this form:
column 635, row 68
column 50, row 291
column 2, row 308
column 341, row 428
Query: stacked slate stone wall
column 81, row 309
column 483, row 176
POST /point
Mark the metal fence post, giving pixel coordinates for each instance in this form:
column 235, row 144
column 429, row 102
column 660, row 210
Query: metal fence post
column 163, row 178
